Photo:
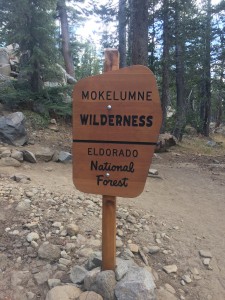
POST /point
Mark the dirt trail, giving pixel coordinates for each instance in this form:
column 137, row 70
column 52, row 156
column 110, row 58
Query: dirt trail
column 187, row 203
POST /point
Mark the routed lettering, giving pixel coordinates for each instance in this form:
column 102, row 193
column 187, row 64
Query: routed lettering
column 112, row 152
column 117, row 95
column 116, row 120
column 123, row 182
column 106, row 166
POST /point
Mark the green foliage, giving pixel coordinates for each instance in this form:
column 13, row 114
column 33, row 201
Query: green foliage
column 49, row 102
column 32, row 26
column 89, row 63
column 35, row 120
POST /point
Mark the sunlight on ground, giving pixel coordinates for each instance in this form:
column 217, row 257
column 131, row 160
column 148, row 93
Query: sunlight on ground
column 198, row 145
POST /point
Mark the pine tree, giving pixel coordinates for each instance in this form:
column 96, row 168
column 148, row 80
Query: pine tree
column 30, row 23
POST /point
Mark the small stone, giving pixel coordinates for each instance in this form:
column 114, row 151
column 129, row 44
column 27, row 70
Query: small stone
column 205, row 253
column 119, row 243
column 90, row 278
column 169, row 288
column 120, row 232
column 65, row 262
column 163, row 294
column 30, row 295
column 34, row 244
column 187, row 278
column 194, row 271
column 94, row 261
column 133, row 248
column 41, row 277
column 90, row 296
column 32, row 236
column 29, row 156
column 3, row 261
column 64, row 292
column 53, row 282
column 18, row 155
column 10, row 162
column 153, row 249
column 153, row 172
column 77, row 274
column 206, row 261
column 170, row 269
column 23, row 205
column 57, row 225
column 105, row 284
column 64, row 157
column 49, row 251
column 72, row 229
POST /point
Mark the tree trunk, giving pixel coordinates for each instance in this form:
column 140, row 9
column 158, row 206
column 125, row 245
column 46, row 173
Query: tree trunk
column 165, row 64
column 181, row 103
column 122, row 16
column 205, row 110
column 139, row 24
column 35, row 79
column 61, row 7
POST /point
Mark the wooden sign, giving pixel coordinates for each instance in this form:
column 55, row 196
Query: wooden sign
column 116, row 122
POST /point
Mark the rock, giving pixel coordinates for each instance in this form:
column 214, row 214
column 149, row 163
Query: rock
column 29, row 156
column 165, row 141
column 30, row 295
column 187, row 279
column 5, row 153
column 44, row 154
column 77, row 274
column 153, row 249
column 72, row 229
column 163, row 294
column 105, row 284
column 32, row 236
column 90, row 296
column 57, row 225
column 153, row 172
column 133, row 248
column 19, row 277
column 122, row 267
column 64, row 292
column 23, row 205
column 64, row 157
column 12, row 130
column 90, row 278
column 205, row 253
column 170, row 289
column 206, row 261
column 53, row 282
column 20, row 177
column 41, row 277
column 137, row 284
column 211, row 144
column 10, row 162
column 18, row 155
column 3, row 261
column 170, row 269
column 94, row 261
column 119, row 243
column 49, row 251
column 65, row 262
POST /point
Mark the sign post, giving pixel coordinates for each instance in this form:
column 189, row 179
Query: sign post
column 109, row 202
column 116, row 122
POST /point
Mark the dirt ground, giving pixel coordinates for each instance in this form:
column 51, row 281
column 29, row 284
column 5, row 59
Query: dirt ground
column 186, row 202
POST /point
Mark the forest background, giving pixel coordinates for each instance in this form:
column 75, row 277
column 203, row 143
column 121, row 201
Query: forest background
column 181, row 41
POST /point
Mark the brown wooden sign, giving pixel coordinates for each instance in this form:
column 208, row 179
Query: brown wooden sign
column 116, row 122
